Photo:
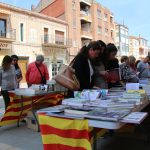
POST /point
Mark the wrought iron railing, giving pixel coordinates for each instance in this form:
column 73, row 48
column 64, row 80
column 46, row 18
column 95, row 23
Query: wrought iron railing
column 8, row 34
column 59, row 40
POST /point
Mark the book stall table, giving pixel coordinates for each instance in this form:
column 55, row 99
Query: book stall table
column 20, row 104
column 62, row 132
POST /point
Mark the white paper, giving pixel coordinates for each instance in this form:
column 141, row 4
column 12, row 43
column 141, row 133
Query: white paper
column 132, row 86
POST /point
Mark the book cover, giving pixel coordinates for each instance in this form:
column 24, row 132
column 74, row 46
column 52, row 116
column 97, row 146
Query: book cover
column 74, row 111
column 114, row 75
column 135, row 117
column 100, row 114
column 54, row 109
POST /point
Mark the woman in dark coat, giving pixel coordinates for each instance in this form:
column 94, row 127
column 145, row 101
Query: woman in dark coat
column 111, row 62
column 83, row 64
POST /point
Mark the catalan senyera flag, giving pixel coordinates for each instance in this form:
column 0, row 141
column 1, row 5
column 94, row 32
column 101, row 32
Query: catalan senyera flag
column 65, row 134
column 14, row 109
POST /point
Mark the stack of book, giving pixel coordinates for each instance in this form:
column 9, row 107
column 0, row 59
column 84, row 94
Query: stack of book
column 133, row 96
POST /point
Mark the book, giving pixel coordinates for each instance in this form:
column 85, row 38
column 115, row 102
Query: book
column 54, row 109
column 74, row 111
column 114, row 75
column 135, row 117
column 65, row 115
column 100, row 114
column 74, row 102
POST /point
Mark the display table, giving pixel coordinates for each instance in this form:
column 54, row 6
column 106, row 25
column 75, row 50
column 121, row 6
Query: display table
column 20, row 104
column 63, row 133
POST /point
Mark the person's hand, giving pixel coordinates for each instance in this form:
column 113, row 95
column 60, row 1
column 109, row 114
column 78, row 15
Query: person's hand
column 103, row 73
column 96, row 87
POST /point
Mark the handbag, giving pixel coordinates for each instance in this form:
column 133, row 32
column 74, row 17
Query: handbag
column 43, row 79
column 67, row 78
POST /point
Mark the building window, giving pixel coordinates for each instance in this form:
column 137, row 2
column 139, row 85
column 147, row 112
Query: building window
column 111, row 19
column 46, row 35
column 106, row 31
column 99, row 29
column 2, row 28
column 21, row 32
column 73, row 5
column 98, row 14
column 112, row 34
column 105, row 17
column 59, row 37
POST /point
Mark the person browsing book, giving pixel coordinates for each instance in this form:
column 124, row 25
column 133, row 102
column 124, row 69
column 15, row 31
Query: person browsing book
column 110, row 62
column 99, row 70
column 128, row 70
column 83, row 64
column 37, row 72
column 143, row 68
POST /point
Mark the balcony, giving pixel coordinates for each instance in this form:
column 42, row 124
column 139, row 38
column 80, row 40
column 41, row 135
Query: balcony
column 86, row 34
column 8, row 36
column 56, row 41
column 85, row 16
column 86, row 2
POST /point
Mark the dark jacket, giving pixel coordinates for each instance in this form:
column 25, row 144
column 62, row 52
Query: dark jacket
column 82, row 71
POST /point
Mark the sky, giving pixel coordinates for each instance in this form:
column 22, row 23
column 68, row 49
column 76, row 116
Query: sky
column 134, row 14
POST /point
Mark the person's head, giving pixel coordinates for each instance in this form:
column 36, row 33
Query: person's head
column 14, row 59
column 111, row 51
column 131, row 60
column 146, row 59
column 136, row 63
column 39, row 59
column 124, row 59
column 92, row 51
column 103, row 46
column 6, row 62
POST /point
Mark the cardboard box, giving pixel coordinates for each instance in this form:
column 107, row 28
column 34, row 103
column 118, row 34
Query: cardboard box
column 31, row 122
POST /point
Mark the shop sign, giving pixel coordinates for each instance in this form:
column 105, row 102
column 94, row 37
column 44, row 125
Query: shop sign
column 5, row 46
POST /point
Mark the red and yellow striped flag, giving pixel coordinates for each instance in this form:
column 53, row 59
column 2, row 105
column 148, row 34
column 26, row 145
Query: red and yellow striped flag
column 64, row 134
column 13, row 111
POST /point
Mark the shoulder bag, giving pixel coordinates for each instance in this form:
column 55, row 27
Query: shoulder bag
column 67, row 78
column 43, row 79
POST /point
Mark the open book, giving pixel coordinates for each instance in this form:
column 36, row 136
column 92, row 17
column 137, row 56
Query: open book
column 114, row 75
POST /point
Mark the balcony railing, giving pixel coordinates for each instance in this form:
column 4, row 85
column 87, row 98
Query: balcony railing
column 85, row 16
column 86, row 34
column 57, row 40
column 9, row 34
